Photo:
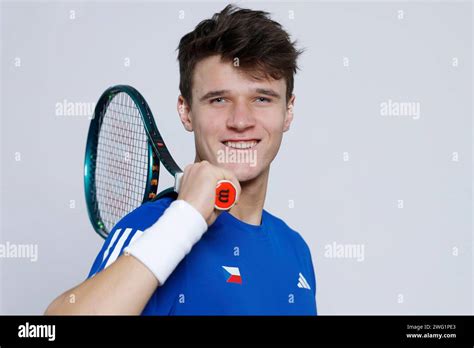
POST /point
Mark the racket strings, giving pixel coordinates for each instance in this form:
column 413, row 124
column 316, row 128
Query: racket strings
column 122, row 160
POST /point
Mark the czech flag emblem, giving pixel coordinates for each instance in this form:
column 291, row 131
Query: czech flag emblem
column 233, row 274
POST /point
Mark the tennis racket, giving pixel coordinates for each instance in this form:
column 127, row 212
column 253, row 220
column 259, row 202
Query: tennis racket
column 122, row 162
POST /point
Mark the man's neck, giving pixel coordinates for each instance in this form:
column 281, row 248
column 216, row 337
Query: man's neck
column 251, row 200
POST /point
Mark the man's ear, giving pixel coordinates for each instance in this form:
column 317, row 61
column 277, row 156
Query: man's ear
column 289, row 113
column 184, row 111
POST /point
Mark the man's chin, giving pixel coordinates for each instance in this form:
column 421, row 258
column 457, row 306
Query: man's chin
column 243, row 172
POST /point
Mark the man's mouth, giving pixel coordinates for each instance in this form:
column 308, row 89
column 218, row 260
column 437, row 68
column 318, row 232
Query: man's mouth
column 241, row 144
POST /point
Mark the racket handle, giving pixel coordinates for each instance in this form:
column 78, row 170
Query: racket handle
column 226, row 193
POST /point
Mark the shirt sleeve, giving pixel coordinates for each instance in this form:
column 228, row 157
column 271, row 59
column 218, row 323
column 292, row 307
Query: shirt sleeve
column 313, row 279
column 127, row 230
column 308, row 264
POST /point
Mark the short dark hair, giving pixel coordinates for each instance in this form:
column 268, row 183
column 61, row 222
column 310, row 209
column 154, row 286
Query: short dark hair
column 262, row 46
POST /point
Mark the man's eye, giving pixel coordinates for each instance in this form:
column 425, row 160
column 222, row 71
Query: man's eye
column 263, row 100
column 217, row 100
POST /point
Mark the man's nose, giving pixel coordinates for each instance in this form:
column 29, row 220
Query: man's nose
column 241, row 117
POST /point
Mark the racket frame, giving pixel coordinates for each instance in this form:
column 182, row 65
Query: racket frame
column 93, row 142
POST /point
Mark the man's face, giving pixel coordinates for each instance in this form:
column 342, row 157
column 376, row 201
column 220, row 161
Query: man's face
column 238, row 121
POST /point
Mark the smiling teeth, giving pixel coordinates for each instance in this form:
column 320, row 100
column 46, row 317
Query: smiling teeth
column 241, row 144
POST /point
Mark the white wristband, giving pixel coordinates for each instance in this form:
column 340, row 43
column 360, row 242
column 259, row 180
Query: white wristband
column 163, row 245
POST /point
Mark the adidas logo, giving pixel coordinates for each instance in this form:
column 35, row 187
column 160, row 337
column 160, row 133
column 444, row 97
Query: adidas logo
column 302, row 283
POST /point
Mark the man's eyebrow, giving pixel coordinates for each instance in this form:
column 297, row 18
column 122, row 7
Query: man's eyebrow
column 212, row 94
column 217, row 93
column 269, row 92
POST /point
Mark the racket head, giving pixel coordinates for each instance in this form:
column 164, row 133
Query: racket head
column 121, row 168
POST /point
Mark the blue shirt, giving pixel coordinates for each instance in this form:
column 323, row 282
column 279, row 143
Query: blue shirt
column 235, row 269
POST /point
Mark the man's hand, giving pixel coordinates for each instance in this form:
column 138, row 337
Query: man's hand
column 198, row 187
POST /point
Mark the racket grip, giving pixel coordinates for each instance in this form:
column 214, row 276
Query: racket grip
column 226, row 193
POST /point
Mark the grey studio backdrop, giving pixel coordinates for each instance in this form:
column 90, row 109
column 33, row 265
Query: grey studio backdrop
column 375, row 172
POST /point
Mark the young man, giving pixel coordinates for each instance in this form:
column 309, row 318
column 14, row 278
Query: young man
column 181, row 256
